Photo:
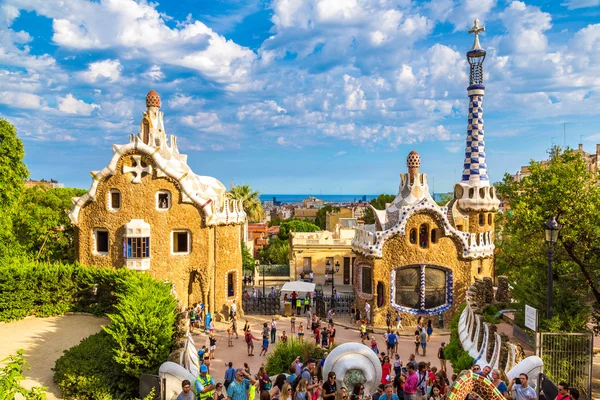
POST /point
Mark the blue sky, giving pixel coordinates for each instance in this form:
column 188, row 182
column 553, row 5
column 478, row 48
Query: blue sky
column 298, row 96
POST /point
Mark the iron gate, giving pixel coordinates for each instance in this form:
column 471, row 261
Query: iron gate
column 342, row 304
column 568, row 357
column 269, row 305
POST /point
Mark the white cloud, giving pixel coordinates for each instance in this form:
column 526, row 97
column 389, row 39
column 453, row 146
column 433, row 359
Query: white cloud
column 179, row 100
column 71, row 105
column 355, row 96
column 281, row 141
column 340, row 153
column 21, row 100
column 205, row 121
column 109, row 70
column 526, row 26
column 575, row 4
column 154, row 73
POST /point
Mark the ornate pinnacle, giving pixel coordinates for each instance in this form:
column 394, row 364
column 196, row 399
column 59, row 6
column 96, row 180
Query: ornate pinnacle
column 476, row 29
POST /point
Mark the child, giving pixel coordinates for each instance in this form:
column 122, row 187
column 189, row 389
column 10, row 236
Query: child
column 265, row 346
column 363, row 333
column 397, row 364
column 293, row 324
column 374, row 345
column 229, row 337
column 301, row 333
column 212, row 340
column 283, row 337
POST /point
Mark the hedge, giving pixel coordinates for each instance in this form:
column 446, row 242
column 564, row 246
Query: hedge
column 279, row 361
column 459, row 359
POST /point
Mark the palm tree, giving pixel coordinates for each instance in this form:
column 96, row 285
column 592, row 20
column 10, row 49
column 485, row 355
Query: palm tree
column 250, row 200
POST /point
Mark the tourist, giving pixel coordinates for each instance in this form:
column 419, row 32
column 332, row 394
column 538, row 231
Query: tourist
column 233, row 310
column 317, row 389
column 186, row 391
column 219, row 392
column 331, row 336
column 397, row 341
column 247, row 368
column 298, row 306
column 284, row 337
column 291, row 373
column 273, row 330
column 379, row 392
column 389, row 393
column 205, row 385
column 317, row 335
column 244, row 280
column 521, row 388
column 501, row 385
column 229, row 337
column 574, row 394
column 308, row 316
column 386, row 371
column 248, row 337
column 412, row 360
column 436, row 393
column 264, row 382
column 207, row 321
column 246, row 326
column 265, row 346
column 399, row 383
column 265, row 395
column 411, row 383
column 486, row 371
column 311, row 276
column 368, row 312
column 391, row 341
column 272, row 292
column 423, row 340
column 439, row 381
column 374, row 345
column 294, row 296
column 363, row 332
column 330, row 315
column 417, row 341
column 307, row 374
column 297, row 365
column 563, row 391
column 330, row 387
column 301, row 333
column 341, row 394
column 397, row 364
column 476, row 368
column 293, row 324
column 429, row 330
column 422, row 375
column 307, row 303
column 234, row 328
column 326, row 279
column 192, row 317
column 322, row 362
column 388, row 319
column 357, row 316
column 229, row 375
column 275, row 391
column 398, row 321
column 301, row 390
column 442, row 357
column 325, row 338
column 358, row 392
column 212, row 340
column 286, row 392
column 265, row 329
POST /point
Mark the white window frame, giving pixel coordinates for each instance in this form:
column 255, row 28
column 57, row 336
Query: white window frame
column 109, row 201
column 169, row 200
column 95, row 242
column 189, row 242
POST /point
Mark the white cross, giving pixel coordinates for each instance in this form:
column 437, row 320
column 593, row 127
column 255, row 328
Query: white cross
column 137, row 170
column 476, row 29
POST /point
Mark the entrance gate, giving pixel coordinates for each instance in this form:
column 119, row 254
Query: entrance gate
column 568, row 357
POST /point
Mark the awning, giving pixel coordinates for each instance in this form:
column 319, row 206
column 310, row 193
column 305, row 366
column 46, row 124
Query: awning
column 298, row 286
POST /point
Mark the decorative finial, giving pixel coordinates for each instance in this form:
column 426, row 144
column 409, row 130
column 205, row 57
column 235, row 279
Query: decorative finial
column 152, row 99
column 413, row 161
column 476, row 29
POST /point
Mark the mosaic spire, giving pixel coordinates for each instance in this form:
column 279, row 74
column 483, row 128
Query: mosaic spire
column 475, row 167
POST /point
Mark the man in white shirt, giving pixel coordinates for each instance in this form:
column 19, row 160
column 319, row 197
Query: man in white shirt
column 233, row 310
column 522, row 389
column 273, row 330
column 311, row 276
column 368, row 312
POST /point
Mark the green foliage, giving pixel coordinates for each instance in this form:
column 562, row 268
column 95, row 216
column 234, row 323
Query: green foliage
column 276, row 252
column 11, row 376
column 12, row 173
column 321, row 218
column 284, row 354
column 42, row 225
column 247, row 260
column 89, row 371
column 379, row 204
column 564, row 187
column 42, row 289
column 295, row 226
column 142, row 325
column 444, row 199
column 276, row 221
column 459, row 359
column 250, row 200
column 489, row 312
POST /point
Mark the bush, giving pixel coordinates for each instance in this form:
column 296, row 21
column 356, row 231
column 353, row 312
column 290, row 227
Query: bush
column 89, row 371
column 459, row 359
column 11, row 376
column 279, row 361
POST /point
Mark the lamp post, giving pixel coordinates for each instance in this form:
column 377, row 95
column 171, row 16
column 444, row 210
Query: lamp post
column 551, row 228
column 264, row 299
column 333, row 272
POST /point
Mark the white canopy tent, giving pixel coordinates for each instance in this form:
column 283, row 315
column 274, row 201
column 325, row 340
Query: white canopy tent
column 298, row 287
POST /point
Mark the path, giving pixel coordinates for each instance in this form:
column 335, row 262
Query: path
column 44, row 340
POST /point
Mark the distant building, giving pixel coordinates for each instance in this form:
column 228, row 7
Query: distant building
column 259, row 234
column 333, row 218
column 306, row 213
column 50, row 184
column 313, row 202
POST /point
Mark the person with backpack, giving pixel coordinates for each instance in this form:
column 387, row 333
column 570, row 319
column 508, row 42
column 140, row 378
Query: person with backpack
column 229, row 375
column 248, row 337
column 306, row 375
column 442, row 357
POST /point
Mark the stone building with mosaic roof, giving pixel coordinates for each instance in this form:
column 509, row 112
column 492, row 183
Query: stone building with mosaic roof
column 148, row 211
column 419, row 258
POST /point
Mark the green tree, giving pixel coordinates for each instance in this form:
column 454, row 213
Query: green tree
column 379, row 203
column 250, row 200
column 11, row 375
column 42, row 225
column 247, row 260
column 295, row 226
column 444, row 200
column 563, row 187
column 321, row 218
column 275, row 221
column 276, row 252
column 12, row 174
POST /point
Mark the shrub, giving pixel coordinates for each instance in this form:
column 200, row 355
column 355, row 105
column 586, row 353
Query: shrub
column 284, row 354
column 11, row 376
column 143, row 325
column 459, row 359
column 89, row 371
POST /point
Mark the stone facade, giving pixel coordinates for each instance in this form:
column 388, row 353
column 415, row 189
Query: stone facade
column 148, row 211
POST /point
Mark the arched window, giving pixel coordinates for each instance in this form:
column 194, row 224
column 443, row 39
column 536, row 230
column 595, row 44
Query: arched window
column 434, row 236
column 422, row 288
column 490, row 218
column 424, row 236
column 481, row 220
column 380, row 295
column 367, row 280
column 471, row 193
column 413, row 236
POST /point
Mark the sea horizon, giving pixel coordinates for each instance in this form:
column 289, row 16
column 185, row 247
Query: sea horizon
column 328, row 198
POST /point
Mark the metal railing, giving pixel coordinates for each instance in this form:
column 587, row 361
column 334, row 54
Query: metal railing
column 273, row 270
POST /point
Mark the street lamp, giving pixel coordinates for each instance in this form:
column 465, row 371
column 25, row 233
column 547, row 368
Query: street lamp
column 333, row 272
column 551, row 228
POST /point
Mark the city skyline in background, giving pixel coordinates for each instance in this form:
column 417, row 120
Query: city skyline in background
column 299, row 97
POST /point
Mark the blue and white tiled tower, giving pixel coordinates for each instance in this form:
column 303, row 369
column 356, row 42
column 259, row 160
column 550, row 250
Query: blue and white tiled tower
column 473, row 192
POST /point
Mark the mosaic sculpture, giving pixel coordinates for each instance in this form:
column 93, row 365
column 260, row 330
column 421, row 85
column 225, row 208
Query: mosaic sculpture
column 354, row 363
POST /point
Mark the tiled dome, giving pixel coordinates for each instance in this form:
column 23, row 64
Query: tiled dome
column 152, row 99
column 413, row 160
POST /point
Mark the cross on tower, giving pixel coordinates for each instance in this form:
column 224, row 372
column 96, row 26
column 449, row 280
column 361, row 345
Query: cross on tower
column 137, row 170
column 476, row 29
